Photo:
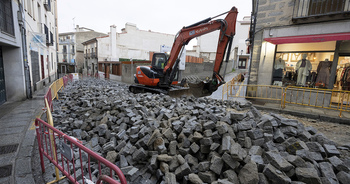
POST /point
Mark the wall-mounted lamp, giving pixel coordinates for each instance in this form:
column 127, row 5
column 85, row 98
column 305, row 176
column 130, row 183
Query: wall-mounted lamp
column 247, row 41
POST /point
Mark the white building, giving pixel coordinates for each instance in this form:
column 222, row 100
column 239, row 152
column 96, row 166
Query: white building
column 71, row 50
column 27, row 47
column 41, row 39
column 131, row 43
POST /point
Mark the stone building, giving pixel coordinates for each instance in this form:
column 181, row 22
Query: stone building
column 71, row 50
column 291, row 36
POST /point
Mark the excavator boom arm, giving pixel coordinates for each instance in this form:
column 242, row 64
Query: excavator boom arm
column 227, row 27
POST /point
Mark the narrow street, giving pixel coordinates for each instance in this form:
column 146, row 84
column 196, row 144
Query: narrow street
column 155, row 138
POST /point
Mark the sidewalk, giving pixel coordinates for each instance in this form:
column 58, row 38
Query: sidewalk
column 17, row 138
column 296, row 110
column 305, row 111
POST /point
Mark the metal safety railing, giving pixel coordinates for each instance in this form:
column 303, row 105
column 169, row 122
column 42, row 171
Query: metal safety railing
column 57, row 85
column 315, row 97
column 73, row 159
column 338, row 100
column 48, row 137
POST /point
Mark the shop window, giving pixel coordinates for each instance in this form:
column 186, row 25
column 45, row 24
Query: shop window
column 343, row 73
column 307, row 69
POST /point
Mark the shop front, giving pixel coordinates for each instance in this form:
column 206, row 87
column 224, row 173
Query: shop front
column 317, row 61
column 314, row 64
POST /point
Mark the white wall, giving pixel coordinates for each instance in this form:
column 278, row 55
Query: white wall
column 136, row 44
column 36, row 17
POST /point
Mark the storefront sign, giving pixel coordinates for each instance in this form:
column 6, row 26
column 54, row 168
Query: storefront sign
column 309, row 38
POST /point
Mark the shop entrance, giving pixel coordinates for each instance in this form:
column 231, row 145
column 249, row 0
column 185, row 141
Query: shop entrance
column 2, row 80
column 343, row 73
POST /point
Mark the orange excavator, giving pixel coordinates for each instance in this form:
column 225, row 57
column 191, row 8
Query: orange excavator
column 161, row 77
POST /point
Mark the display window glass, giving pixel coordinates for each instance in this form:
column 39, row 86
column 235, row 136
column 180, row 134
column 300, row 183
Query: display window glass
column 303, row 64
column 342, row 81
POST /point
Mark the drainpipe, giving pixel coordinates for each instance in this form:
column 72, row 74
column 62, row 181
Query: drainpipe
column 28, row 82
column 252, row 33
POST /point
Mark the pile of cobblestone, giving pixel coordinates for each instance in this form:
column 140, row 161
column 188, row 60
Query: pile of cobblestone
column 159, row 139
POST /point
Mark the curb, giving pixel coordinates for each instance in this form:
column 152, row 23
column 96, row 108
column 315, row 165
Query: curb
column 320, row 117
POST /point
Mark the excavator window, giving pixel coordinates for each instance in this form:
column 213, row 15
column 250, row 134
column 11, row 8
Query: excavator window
column 159, row 60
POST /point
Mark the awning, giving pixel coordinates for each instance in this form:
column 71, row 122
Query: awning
column 309, row 38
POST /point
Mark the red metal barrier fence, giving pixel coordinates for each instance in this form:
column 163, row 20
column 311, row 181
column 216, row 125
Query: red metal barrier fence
column 70, row 157
column 48, row 146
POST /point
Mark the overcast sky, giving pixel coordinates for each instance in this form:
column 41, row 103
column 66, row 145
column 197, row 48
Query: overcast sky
column 155, row 15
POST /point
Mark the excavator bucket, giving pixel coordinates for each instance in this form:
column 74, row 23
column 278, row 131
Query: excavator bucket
column 197, row 89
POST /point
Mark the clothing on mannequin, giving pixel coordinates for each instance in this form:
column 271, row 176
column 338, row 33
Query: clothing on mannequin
column 280, row 64
column 323, row 72
column 278, row 70
column 303, row 67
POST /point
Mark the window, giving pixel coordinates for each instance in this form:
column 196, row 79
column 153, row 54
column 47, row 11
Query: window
column 6, row 17
column 29, row 7
column 317, row 7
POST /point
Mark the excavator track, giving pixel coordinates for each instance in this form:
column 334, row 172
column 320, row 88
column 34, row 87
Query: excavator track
column 145, row 89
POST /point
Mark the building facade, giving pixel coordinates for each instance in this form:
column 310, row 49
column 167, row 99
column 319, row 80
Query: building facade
column 71, row 50
column 41, row 41
column 301, row 43
column 131, row 43
column 12, row 66
column 27, row 47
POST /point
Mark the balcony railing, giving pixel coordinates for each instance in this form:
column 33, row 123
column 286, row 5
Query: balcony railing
column 320, row 8
column 66, row 41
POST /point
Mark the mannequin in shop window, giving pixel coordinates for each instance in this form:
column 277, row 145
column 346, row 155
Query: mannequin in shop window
column 279, row 67
column 303, row 68
column 323, row 72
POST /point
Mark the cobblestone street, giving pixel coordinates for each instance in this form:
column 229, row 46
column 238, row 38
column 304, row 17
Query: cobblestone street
column 155, row 138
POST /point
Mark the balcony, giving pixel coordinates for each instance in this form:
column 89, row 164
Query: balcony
column 67, row 42
column 47, row 5
column 307, row 11
column 93, row 55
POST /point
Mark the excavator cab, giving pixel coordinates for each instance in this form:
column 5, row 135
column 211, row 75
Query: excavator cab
column 159, row 62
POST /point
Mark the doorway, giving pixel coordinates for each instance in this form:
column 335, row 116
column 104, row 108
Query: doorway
column 42, row 67
column 2, row 80
column 242, row 63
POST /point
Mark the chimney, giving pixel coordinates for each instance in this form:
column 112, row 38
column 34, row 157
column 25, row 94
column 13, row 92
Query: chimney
column 113, row 43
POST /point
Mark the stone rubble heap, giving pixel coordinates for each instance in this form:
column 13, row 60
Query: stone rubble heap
column 159, row 139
